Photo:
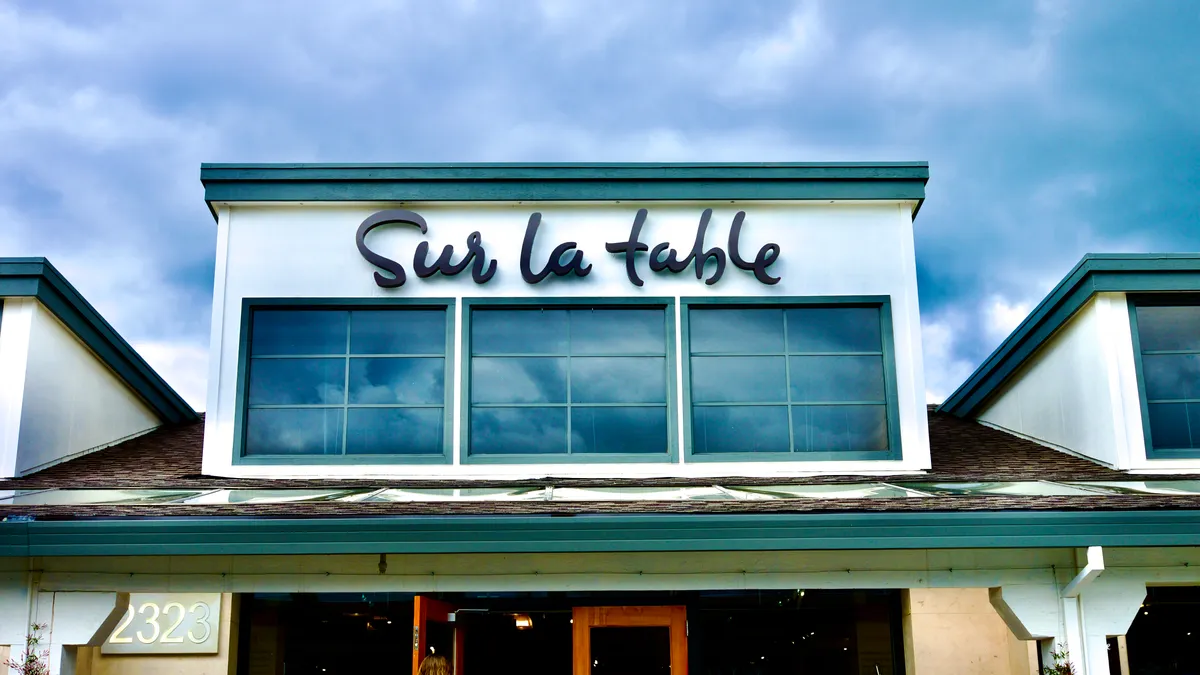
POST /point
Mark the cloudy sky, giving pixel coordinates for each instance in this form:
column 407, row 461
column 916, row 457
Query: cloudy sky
column 1052, row 127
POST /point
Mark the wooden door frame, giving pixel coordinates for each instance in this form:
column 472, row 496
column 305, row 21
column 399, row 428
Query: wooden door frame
column 425, row 610
column 584, row 619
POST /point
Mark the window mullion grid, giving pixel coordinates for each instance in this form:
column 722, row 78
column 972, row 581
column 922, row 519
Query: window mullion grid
column 787, row 383
column 570, row 316
column 1186, row 402
column 346, row 385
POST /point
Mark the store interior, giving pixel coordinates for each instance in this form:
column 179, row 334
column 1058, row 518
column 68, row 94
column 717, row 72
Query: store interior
column 797, row 632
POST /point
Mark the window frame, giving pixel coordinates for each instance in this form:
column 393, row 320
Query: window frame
column 1133, row 301
column 891, row 398
column 667, row 304
column 242, row 404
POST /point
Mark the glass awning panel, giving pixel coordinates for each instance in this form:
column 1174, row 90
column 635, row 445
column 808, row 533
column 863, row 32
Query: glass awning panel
column 550, row 493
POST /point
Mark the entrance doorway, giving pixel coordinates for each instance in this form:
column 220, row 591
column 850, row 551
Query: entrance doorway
column 636, row 640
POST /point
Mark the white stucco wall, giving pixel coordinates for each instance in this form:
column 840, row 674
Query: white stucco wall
column 1079, row 392
column 845, row 249
column 16, row 320
column 1062, row 396
column 71, row 402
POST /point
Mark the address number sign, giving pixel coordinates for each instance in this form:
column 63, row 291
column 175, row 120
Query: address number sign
column 167, row 623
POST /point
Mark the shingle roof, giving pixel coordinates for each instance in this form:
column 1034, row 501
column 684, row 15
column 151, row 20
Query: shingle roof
column 962, row 451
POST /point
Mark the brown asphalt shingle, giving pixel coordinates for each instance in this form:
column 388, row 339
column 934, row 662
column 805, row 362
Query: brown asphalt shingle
column 962, row 451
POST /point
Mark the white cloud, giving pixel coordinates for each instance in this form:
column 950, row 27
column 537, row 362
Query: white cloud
column 183, row 365
column 961, row 65
column 1001, row 316
column 944, row 369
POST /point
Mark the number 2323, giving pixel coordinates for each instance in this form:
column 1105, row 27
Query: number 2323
column 173, row 613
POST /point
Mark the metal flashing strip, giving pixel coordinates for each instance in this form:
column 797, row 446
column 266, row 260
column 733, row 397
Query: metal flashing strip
column 550, row 493
column 600, row 533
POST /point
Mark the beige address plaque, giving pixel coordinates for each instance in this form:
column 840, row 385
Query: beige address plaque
column 167, row 623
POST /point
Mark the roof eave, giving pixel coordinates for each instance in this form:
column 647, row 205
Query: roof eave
column 37, row 278
column 1095, row 273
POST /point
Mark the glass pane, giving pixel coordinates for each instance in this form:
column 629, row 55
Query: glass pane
column 619, row 379
column 509, row 431
column 397, row 380
column 720, row 379
column 720, row 429
column 635, row 430
column 398, row 331
column 834, row 329
column 1174, row 426
column 1168, row 328
column 518, row 380
column 737, row 331
column 519, row 331
column 837, row 378
column 840, row 428
column 297, row 381
column 296, row 332
column 618, row 331
column 283, row 431
column 628, row 650
column 1171, row 376
column 394, row 431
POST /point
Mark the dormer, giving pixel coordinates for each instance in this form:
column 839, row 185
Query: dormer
column 69, row 384
column 1106, row 367
column 508, row 321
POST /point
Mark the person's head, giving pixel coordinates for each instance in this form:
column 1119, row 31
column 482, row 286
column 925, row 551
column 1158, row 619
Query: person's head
column 434, row 664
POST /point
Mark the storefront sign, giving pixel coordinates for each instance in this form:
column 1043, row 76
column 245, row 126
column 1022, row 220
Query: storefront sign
column 167, row 623
column 663, row 258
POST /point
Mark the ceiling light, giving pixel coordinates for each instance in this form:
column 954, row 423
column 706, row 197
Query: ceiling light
column 523, row 621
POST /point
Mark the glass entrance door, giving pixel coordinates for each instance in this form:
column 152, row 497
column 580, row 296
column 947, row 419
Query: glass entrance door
column 634, row 640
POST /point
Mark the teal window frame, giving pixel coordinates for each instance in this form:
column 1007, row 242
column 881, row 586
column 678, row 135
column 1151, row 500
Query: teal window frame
column 665, row 303
column 882, row 302
column 249, row 305
column 1133, row 301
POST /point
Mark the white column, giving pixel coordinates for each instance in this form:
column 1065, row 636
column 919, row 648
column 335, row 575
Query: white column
column 76, row 618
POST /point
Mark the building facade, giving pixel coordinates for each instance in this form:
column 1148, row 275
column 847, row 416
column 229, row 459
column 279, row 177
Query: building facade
column 628, row 418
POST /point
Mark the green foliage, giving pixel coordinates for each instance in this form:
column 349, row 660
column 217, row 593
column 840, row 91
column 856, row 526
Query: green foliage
column 1061, row 665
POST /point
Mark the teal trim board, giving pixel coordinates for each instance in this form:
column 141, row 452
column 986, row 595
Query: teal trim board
column 892, row 181
column 599, row 533
column 1095, row 273
column 37, row 278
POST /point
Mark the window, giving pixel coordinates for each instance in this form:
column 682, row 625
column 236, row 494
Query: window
column 347, row 383
column 1167, row 338
column 790, row 382
column 568, row 383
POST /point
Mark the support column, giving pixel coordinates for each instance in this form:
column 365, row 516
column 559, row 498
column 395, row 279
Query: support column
column 76, row 618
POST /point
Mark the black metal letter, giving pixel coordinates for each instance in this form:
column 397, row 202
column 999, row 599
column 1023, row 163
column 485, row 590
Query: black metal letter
column 631, row 247
column 373, row 221
column 703, row 256
column 767, row 255
column 554, row 265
